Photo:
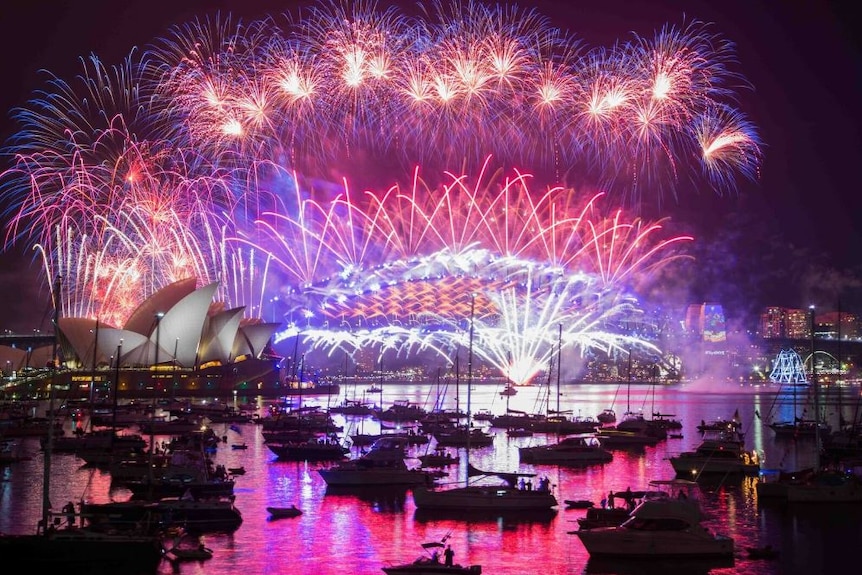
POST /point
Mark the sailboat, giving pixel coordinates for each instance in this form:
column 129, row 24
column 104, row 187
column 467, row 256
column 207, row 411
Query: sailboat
column 477, row 497
column 59, row 542
column 818, row 484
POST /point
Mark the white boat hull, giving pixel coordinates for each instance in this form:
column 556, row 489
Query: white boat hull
column 622, row 542
column 694, row 466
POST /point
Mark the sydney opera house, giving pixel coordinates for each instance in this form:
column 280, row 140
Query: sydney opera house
column 178, row 341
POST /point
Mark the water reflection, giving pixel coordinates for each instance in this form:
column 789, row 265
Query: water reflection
column 357, row 532
column 384, row 498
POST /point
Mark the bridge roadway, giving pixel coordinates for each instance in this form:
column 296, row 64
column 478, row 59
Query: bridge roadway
column 26, row 340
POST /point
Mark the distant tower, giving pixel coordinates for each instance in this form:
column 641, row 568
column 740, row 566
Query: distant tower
column 788, row 368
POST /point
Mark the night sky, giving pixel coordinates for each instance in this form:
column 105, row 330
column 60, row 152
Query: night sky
column 793, row 235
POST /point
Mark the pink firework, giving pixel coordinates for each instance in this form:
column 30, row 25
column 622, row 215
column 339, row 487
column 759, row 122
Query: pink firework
column 194, row 157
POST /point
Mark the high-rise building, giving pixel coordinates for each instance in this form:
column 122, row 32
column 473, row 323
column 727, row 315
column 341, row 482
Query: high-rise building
column 772, row 323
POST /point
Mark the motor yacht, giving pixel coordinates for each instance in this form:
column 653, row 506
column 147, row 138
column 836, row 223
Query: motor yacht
column 382, row 465
column 508, row 496
column 569, row 450
column 721, row 454
column 663, row 527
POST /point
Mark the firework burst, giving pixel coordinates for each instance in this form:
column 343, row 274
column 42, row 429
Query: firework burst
column 208, row 154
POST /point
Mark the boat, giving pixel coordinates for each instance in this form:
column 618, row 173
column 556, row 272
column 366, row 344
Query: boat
column 282, row 512
column 825, row 486
column 195, row 516
column 402, row 410
column 723, row 454
column 293, row 388
column 236, row 470
column 464, row 436
column 799, row 428
column 308, row 450
column 607, row 416
column 504, row 497
column 99, row 440
column 637, row 423
column 666, row 420
column 509, row 391
column 201, row 553
column 438, row 458
column 619, row 439
column 201, row 483
column 483, row 414
column 558, row 422
column 818, row 484
column 352, row 407
column 382, row 465
column 578, row 503
column 239, row 446
column 430, row 563
column 668, row 527
column 569, row 450
column 732, row 425
column 75, row 549
column 609, row 515
column 603, row 517
column 69, row 546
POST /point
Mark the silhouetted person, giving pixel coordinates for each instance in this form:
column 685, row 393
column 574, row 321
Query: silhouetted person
column 610, row 499
column 449, row 555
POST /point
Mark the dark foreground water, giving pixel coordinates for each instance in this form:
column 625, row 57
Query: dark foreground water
column 344, row 533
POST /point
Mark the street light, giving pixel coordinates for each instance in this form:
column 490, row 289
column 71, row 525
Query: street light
column 159, row 316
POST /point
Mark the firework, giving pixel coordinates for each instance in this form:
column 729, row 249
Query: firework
column 208, row 155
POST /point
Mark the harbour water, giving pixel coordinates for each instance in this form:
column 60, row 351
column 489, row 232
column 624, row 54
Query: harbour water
column 360, row 532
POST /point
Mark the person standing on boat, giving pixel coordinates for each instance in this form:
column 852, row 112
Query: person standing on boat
column 69, row 510
column 630, row 500
column 610, row 499
column 449, row 555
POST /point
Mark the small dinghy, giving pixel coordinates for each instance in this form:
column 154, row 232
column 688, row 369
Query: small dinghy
column 281, row 512
column 578, row 503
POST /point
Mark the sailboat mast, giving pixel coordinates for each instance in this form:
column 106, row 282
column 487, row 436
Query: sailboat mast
column 116, row 392
column 629, row 387
column 49, row 447
column 559, row 365
column 470, row 383
column 93, row 374
column 470, row 362
column 816, row 398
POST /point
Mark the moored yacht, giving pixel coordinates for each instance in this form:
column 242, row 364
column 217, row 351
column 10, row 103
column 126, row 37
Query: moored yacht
column 505, row 497
column 721, row 454
column 382, row 465
column 569, row 450
column 663, row 527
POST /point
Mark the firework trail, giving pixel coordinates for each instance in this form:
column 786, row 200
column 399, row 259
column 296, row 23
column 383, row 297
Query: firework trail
column 208, row 155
